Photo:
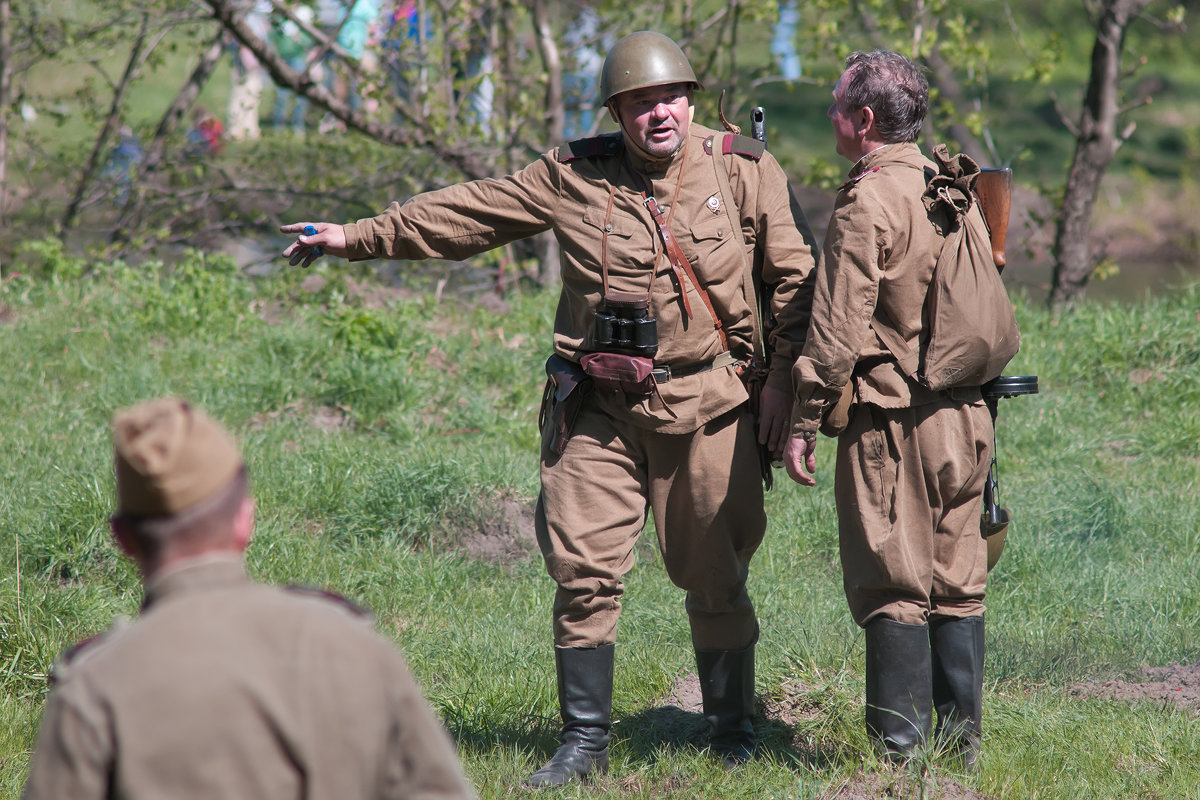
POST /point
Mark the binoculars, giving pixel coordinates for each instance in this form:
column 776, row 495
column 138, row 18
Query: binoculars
column 623, row 325
column 995, row 520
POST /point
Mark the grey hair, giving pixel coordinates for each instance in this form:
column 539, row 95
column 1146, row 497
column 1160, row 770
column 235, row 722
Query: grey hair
column 893, row 87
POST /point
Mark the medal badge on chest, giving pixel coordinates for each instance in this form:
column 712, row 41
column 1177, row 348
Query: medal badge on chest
column 713, row 203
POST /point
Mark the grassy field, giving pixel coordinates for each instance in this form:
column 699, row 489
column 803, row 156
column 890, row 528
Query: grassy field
column 393, row 452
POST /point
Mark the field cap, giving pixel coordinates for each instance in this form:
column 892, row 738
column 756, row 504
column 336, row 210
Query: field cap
column 170, row 455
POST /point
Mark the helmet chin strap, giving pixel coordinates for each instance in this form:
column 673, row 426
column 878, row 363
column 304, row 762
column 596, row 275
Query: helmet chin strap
column 634, row 146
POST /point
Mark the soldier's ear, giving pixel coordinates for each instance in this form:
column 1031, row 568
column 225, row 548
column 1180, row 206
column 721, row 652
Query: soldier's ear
column 866, row 121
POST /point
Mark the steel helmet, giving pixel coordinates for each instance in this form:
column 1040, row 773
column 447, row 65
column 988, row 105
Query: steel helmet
column 642, row 59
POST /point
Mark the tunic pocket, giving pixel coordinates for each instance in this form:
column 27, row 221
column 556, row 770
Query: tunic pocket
column 617, row 223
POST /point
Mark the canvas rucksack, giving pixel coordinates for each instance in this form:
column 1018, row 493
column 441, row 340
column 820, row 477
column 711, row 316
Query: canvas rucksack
column 969, row 332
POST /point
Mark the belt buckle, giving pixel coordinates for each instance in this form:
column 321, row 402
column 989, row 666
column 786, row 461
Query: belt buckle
column 661, row 374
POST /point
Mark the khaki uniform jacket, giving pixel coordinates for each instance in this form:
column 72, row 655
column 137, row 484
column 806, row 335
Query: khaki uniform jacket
column 880, row 251
column 226, row 688
column 589, row 194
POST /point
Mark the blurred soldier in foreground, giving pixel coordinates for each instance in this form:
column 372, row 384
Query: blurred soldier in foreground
column 223, row 687
column 912, row 462
column 655, row 338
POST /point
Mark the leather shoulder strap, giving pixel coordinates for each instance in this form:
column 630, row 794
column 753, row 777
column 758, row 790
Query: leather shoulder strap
column 750, row 282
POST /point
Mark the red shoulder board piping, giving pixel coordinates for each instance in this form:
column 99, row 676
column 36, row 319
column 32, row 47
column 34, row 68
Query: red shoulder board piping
column 63, row 662
column 334, row 597
column 607, row 145
column 746, row 146
column 736, row 143
column 77, row 648
column 856, row 179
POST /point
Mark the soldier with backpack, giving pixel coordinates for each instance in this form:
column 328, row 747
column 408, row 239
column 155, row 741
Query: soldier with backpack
column 912, row 451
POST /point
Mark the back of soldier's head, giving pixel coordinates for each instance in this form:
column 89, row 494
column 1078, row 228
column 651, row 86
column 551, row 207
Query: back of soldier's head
column 893, row 87
column 180, row 476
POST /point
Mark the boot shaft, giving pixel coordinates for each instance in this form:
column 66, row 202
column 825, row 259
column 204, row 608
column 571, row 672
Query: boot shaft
column 957, row 647
column 727, row 691
column 585, row 689
column 899, row 691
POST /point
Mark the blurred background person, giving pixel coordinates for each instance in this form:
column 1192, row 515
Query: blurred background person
column 294, row 47
column 248, row 78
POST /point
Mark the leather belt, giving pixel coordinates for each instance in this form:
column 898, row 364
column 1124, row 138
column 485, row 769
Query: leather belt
column 666, row 372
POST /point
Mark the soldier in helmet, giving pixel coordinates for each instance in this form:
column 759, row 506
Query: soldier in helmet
column 663, row 227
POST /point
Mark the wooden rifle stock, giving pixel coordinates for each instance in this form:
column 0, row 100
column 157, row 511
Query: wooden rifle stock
column 993, row 187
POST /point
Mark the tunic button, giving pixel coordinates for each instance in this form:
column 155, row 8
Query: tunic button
column 608, row 228
column 720, row 234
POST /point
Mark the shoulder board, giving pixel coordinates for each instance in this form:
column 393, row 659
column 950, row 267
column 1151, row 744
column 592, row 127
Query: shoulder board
column 62, row 665
column 735, row 143
column 333, row 597
column 606, row 145
column 856, row 179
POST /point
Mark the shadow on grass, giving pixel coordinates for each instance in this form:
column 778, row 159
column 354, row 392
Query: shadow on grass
column 648, row 736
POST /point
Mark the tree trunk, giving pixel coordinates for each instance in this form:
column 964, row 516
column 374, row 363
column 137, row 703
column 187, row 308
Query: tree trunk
column 1096, row 143
column 5, row 101
column 554, row 71
column 466, row 159
column 185, row 98
column 111, row 123
column 950, row 89
column 545, row 246
column 169, row 122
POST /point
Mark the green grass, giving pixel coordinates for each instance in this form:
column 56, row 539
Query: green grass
column 372, row 433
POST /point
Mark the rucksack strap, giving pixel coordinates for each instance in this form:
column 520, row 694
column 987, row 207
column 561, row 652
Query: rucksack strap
column 908, row 358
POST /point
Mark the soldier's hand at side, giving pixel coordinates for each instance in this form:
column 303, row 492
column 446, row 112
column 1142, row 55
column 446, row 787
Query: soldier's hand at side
column 329, row 238
column 800, row 460
column 774, row 419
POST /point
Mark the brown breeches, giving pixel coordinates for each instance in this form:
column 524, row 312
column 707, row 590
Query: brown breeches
column 909, row 488
column 705, row 491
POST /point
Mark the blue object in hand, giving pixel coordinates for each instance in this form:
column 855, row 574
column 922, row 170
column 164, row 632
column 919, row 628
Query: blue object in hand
column 310, row 230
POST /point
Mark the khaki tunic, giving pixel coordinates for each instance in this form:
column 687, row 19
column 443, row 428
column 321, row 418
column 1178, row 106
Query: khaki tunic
column 912, row 464
column 593, row 204
column 687, row 452
column 226, row 688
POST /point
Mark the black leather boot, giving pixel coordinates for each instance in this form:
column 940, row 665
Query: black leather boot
column 727, row 689
column 957, row 646
column 899, row 687
column 585, row 687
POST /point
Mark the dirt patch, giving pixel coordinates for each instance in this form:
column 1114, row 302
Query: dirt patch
column 7, row 315
column 685, row 694
column 329, row 419
column 498, row 530
column 795, row 703
column 1176, row 684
